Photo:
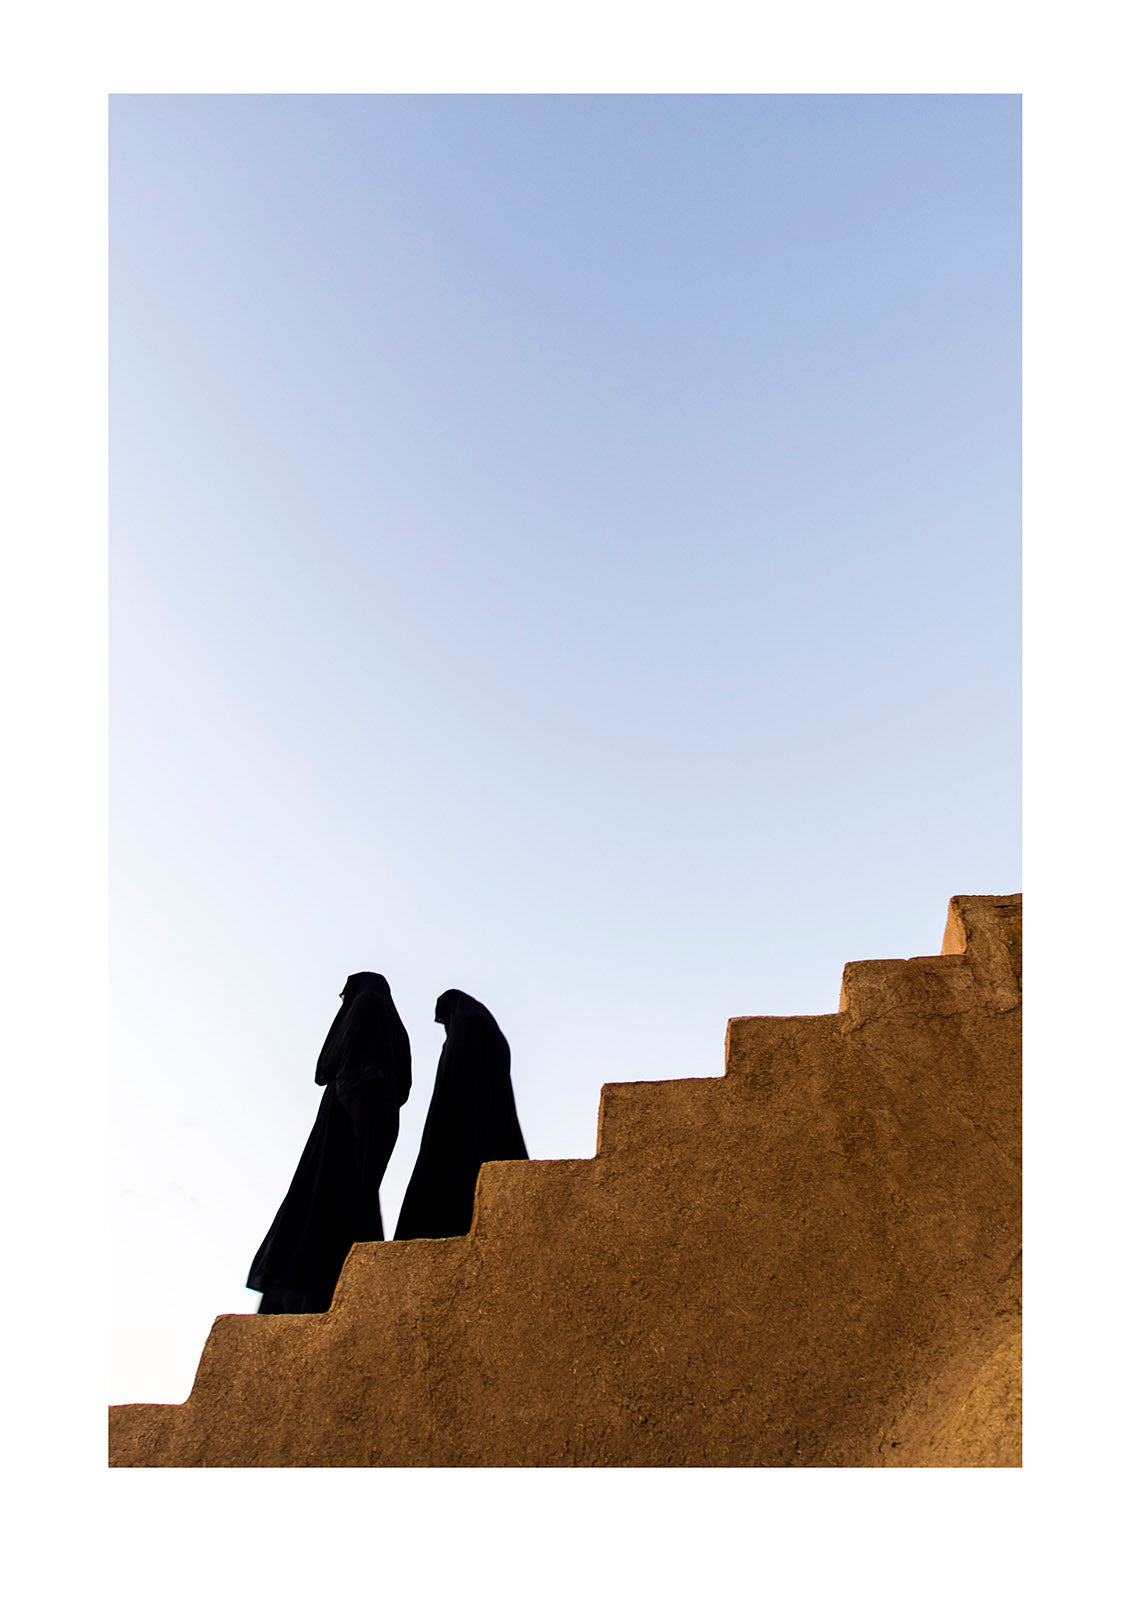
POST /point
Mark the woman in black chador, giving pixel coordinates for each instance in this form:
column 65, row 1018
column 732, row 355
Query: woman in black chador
column 472, row 1119
column 333, row 1198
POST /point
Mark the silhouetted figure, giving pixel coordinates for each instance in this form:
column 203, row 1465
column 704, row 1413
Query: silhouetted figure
column 333, row 1198
column 472, row 1119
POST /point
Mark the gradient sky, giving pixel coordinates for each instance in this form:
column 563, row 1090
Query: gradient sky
column 564, row 548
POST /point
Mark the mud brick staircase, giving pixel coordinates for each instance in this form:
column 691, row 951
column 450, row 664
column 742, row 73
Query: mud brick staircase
column 811, row 1261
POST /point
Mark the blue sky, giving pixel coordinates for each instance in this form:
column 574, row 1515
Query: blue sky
column 562, row 547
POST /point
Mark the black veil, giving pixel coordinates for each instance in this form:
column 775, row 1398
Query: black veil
column 471, row 1119
column 333, row 1200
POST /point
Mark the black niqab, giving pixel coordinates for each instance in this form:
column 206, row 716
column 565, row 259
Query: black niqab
column 471, row 1119
column 333, row 1200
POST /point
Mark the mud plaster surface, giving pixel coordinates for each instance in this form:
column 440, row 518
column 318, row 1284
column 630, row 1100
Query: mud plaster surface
column 812, row 1260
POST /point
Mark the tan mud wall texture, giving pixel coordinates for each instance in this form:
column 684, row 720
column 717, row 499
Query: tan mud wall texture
column 812, row 1261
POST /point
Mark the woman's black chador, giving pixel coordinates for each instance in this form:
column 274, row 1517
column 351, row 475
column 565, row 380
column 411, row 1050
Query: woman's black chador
column 471, row 1119
column 333, row 1199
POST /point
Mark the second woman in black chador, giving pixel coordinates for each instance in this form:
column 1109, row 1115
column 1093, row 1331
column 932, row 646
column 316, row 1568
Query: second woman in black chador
column 471, row 1119
column 333, row 1198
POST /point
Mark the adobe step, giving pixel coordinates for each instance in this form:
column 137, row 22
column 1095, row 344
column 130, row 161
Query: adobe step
column 979, row 969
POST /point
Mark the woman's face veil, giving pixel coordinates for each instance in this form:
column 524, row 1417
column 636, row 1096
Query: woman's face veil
column 336, row 1050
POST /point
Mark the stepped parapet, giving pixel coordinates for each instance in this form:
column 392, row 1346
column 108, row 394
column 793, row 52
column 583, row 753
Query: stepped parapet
column 810, row 1261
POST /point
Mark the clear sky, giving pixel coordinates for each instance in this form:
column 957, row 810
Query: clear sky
column 564, row 548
